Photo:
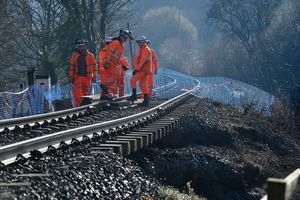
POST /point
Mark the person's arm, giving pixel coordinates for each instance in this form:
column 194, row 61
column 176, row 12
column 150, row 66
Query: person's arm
column 110, row 51
column 124, row 63
column 144, row 57
column 72, row 68
column 135, row 63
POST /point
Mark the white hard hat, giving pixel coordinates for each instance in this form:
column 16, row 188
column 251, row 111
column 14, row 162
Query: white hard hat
column 141, row 39
column 107, row 39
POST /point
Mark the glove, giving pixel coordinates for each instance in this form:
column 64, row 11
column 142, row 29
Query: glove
column 72, row 80
column 124, row 68
column 106, row 65
column 93, row 80
column 155, row 72
column 134, row 72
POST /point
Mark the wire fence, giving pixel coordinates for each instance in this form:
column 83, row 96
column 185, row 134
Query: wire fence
column 17, row 104
column 168, row 84
column 235, row 93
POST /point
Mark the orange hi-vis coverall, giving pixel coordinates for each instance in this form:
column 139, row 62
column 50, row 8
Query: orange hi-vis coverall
column 102, row 71
column 119, row 86
column 143, row 66
column 111, row 62
column 151, row 75
column 81, row 84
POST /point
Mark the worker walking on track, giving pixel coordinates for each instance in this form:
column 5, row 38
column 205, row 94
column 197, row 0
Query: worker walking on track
column 155, row 69
column 111, row 60
column 83, row 70
column 102, row 71
column 142, row 68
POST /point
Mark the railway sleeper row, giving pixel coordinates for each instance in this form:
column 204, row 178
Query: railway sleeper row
column 138, row 135
column 142, row 137
column 124, row 139
column 90, row 116
column 97, row 112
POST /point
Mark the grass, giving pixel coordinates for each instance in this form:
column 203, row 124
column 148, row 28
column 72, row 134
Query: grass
column 170, row 193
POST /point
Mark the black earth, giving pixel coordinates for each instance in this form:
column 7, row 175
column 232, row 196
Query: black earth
column 226, row 153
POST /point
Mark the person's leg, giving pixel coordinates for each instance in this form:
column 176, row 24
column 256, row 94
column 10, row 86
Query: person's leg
column 121, row 86
column 77, row 90
column 103, row 79
column 108, row 83
column 133, row 82
column 144, row 88
column 150, row 84
column 86, row 84
column 143, row 82
column 114, row 88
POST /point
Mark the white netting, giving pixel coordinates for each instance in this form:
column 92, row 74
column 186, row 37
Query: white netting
column 16, row 104
column 225, row 90
column 168, row 83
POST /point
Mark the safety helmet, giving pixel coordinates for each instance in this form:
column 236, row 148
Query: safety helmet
column 80, row 42
column 141, row 39
column 107, row 39
column 126, row 33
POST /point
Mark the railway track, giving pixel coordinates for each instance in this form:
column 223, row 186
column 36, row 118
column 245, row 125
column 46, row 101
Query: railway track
column 46, row 132
column 156, row 123
column 25, row 124
column 78, row 166
column 76, row 163
column 20, row 129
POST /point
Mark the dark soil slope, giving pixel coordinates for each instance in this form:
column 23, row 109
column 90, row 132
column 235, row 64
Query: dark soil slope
column 227, row 154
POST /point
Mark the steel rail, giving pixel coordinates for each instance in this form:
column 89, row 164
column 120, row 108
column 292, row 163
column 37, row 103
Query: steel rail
column 9, row 152
column 41, row 117
column 48, row 116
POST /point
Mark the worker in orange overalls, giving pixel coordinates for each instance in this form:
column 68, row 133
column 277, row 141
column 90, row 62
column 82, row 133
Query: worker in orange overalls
column 119, row 86
column 83, row 70
column 155, row 69
column 113, row 56
column 142, row 68
column 103, row 72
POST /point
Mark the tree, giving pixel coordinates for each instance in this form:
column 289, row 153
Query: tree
column 245, row 20
column 4, row 37
column 35, row 23
column 114, row 15
column 40, row 33
column 283, row 41
column 268, row 31
column 172, row 24
column 173, row 34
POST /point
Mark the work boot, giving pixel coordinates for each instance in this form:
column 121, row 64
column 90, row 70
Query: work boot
column 108, row 97
column 146, row 100
column 133, row 96
column 104, row 88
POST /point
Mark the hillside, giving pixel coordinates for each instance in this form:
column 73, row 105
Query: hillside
column 225, row 153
